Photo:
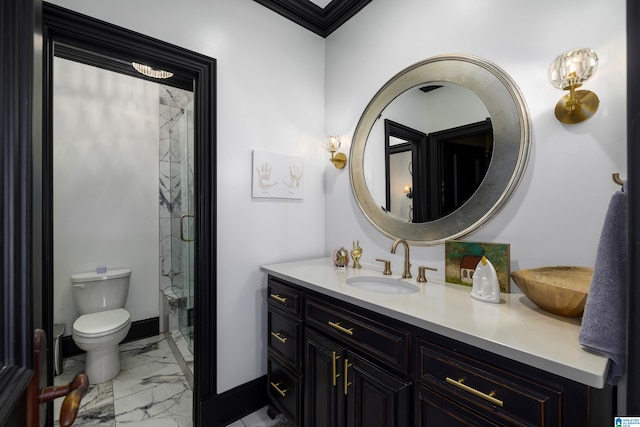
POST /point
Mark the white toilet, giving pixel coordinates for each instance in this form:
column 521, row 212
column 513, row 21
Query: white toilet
column 104, row 323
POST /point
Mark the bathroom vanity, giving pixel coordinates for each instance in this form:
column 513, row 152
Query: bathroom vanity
column 340, row 355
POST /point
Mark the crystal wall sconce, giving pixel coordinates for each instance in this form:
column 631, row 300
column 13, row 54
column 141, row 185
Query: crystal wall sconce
column 568, row 72
column 332, row 143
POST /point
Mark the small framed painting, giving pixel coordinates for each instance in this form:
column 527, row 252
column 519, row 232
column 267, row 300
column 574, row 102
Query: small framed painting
column 461, row 259
column 277, row 175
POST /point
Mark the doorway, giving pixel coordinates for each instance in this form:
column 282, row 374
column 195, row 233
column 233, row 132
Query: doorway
column 74, row 36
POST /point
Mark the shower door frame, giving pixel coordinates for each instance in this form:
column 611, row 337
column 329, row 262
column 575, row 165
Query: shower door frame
column 100, row 39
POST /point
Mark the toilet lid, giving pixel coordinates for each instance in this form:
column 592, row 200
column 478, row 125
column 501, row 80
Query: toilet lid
column 101, row 323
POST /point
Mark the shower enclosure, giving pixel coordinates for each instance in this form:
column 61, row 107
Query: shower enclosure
column 176, row 201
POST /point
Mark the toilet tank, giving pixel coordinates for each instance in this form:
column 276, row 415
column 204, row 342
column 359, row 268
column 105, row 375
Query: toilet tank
column 94, row 292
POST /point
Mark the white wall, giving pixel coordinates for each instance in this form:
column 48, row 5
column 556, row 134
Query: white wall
column 273, row 81
column 270, row 97
column 105, row 183
column 556, row 214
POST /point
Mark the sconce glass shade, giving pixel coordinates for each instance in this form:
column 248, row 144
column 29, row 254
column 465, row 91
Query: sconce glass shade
column 332, row 143
column 568, row 72
column 573, row 68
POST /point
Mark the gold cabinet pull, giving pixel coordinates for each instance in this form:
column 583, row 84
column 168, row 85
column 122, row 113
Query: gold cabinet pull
column 347, row 383
column 333, row 368
column 279, row 298
column 276, row 335
column 337, row 326
column 488, row 397
column 278, row 389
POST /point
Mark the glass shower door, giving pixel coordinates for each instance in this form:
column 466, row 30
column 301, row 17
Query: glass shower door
column 182, row 246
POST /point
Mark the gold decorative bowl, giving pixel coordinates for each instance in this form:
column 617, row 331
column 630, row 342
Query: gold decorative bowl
column 560, row 290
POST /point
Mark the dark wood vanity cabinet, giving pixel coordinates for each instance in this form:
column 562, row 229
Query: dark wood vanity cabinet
column 348, row 366
column 285, row 350
column 324, row 390
column 344, row 389
column 460, row 386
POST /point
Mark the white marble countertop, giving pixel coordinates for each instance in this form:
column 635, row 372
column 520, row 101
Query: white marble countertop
column 516, row 328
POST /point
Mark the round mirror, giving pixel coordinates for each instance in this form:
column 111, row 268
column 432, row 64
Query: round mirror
column 439, row 149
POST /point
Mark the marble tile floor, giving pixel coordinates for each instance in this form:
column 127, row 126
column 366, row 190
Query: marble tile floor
column 151, row 390
column 261, row 419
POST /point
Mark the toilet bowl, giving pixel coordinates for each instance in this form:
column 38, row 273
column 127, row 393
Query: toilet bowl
column 104, row 323
column 99, row 334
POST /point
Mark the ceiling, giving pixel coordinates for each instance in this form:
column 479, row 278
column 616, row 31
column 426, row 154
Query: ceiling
column 319, row 16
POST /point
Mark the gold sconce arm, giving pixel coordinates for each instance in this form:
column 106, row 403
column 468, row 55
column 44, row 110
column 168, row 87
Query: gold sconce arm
column 332, row 143
column 339, row 160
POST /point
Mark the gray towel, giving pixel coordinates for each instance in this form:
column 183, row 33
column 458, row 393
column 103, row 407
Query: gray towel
column 604, row 326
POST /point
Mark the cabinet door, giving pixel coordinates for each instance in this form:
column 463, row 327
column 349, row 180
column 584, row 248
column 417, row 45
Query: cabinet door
column 324, row 399
column 375, row 397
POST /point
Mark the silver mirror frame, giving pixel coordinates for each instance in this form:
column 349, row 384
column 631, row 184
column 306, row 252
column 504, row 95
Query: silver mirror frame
column 512, row 139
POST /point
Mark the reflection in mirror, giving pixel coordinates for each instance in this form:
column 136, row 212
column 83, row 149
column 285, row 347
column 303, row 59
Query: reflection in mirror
column 437, row 145
column 452, row 135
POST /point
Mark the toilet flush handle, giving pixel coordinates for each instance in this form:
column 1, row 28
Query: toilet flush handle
column 78, row 285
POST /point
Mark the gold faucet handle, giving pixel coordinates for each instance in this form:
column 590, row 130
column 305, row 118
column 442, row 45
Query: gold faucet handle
column 387, row 266
column 421, row 273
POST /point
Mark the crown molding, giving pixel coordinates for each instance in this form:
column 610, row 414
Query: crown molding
column 314, row 18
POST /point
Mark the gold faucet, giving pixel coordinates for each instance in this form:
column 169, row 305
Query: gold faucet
column 406, row 274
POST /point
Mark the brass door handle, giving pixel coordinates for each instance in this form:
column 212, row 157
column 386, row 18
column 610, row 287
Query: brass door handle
column 182, row 218
column 337, row 326
column 279, row 298
column 347, row 383
column 333, row 368
column 278, row 389
column 276, row 335
column 488, row 397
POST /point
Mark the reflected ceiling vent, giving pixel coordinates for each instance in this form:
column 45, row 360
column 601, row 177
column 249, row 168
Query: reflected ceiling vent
column 151, row 72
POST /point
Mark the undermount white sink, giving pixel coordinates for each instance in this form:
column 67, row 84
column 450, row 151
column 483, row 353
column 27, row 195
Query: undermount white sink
column 382, row 285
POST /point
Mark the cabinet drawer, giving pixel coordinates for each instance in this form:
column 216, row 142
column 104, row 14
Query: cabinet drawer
column 285, row 390
column 284, row 297
column 516, row 400
column 385, row 343
column 434, row 409
column 285, row 334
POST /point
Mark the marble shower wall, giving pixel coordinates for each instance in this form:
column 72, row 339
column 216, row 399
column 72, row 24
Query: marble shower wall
column 175, row 106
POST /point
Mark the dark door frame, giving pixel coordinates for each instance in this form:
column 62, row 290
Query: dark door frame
column 633, row 189
column 61, row 28
column 417, row 144
column 20, row 100
column 430, row 164
column 440, row 163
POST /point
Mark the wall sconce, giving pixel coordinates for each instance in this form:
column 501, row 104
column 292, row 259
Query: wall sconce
column 567, row 72
column 408, row 191
column 332, row 143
